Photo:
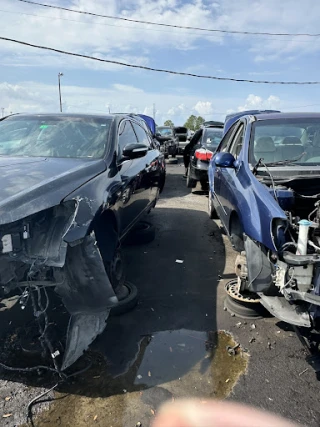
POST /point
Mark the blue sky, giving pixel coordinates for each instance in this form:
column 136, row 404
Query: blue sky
column 28, row 77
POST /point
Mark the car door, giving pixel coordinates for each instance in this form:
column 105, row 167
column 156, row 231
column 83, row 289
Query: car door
column 134, row 198
column 151, row 172
column 228, row 187
column 217, row 172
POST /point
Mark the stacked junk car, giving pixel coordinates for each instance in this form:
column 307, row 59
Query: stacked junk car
column 265, row 188
column 72, row 189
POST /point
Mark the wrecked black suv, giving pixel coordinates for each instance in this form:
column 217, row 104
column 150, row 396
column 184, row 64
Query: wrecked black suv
column 72, row 187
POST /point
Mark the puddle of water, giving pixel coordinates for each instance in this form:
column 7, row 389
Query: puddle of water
column 169, row 364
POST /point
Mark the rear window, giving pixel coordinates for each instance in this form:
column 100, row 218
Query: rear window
column 211, row 138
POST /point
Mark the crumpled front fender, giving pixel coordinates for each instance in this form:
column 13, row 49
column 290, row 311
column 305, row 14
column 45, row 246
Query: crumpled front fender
column 88, row 295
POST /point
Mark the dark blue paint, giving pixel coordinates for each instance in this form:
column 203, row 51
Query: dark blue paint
column 224, row 160
column 237, row 192
column 232, row 118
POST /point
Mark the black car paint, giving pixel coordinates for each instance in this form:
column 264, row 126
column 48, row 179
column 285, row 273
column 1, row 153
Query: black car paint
column 69, row 197
column 198, row 169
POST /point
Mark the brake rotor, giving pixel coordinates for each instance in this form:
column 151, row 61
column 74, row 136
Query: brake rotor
column 233, row 290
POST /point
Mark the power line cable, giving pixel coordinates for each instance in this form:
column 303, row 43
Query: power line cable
column 159, row 70
column 139, row 28
column 169, row 25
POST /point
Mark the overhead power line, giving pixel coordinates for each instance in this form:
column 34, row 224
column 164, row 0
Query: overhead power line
column 159, row 70
column 168, row 25
column 178, row 33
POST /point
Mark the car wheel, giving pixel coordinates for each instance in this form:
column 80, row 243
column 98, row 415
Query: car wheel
column 128, row 303
column 245, row 305
column 191, row 183
column 173, row 155
column 141, row 234
column 166, row 156
column 211, row 210
column 116, row 271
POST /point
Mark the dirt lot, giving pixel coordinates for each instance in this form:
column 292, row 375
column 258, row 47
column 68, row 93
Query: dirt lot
column 173, row 344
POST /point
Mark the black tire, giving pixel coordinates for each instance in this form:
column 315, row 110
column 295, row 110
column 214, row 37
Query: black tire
column 191, row 183
column 141, row 234
column 211, row 210
column 166, row 156
column 127, row 303
column 173, row 155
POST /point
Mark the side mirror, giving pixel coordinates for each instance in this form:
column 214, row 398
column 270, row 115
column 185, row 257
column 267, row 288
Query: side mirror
column 134, row 151
column 224, row 160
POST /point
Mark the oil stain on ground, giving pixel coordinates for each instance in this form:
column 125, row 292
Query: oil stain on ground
column 169, row 365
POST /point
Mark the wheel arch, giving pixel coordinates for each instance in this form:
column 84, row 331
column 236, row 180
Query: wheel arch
column 236, row 230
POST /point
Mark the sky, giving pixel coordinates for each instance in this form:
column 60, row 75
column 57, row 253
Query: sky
column 29, row 76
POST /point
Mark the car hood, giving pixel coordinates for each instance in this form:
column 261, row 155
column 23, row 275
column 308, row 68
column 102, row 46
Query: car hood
column 30, row 185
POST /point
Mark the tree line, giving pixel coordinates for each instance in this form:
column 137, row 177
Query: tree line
column 193, row 122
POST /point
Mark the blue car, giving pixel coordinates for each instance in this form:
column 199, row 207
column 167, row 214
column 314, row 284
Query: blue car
column 264, row 186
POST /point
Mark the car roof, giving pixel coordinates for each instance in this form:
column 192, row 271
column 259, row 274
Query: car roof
column 213, row 127
column 275, row 116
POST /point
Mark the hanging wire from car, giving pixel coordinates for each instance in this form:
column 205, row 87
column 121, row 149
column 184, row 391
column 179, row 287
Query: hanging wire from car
column 260, row 161
column 121, row 18
column 159, row 70
column 36, row 400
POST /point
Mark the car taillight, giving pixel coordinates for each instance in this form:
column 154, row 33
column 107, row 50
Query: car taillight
column 203, row 154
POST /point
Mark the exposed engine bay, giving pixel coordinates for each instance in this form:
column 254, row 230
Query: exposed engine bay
column 287, row 278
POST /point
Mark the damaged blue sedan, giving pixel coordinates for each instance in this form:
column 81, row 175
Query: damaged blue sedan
column 265, row 189
column 72, row 187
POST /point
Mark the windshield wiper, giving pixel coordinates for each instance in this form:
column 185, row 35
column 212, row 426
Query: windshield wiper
column 278, row 163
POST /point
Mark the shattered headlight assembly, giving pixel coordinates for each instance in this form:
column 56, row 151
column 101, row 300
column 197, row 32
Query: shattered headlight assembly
column 40, row 236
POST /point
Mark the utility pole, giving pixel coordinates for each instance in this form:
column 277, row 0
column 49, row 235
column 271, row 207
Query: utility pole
column 154, row 112
column 59, row 76
column 2, row 111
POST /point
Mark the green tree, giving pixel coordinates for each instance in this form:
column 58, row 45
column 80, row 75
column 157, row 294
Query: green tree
column 200, row 120
column 194, row 122
column 168, row 123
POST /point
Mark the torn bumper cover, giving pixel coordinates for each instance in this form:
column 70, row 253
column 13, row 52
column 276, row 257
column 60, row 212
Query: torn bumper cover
column 34, row 254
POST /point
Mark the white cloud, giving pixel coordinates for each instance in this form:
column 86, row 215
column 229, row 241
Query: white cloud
column 126, row 88
column 32, row 97
column 255, row 102
column 135, row 43
column 177, row 111
column 203, row 108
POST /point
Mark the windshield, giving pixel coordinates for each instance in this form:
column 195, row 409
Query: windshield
column 285, row 140
column 211, row 138
column 165, row 131
column 49, row 136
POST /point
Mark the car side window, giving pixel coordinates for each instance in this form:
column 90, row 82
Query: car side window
column 225, row 142
column 126, row 135
column 237, row 143
column 141, row 135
